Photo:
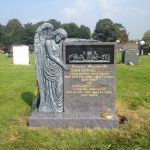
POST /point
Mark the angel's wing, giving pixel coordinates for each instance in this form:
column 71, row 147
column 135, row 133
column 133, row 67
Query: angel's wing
column 45, row 31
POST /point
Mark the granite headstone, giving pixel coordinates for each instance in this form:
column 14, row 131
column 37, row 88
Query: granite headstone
column 130, row 54
column 89, row 87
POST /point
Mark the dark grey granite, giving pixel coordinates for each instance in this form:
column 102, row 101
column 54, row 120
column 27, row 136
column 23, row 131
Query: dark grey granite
column 130, row 46
column 130, row 54
column 75, row 120
column 89, row 88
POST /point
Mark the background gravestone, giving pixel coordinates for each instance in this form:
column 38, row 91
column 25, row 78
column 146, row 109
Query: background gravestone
column 89, row 88
column 130, row 53
column 21, row 54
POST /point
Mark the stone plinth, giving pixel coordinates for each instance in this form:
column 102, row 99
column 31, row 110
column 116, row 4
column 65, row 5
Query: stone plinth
column 82, row 120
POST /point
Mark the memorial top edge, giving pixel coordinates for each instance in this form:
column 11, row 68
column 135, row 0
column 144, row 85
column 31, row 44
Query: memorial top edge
column 87, row 42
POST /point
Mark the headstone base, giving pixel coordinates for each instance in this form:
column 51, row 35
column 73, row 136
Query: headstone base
column 82, row 120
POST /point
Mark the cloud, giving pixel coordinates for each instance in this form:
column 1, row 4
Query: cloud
column 79, row 9
column 126, row 12
column 88, row 12
column 108, row 8
column 70, row 13
column 34, row 20
column 92, row 8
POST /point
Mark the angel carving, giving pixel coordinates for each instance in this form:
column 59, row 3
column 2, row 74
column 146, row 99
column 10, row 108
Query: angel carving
column 50, row 67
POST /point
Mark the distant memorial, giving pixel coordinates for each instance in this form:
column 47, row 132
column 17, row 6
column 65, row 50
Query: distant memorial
column 21, row 54
column 144, row 49
column 130, row 54
column 76, row 81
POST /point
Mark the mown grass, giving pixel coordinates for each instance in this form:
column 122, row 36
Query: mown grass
column 132, row 101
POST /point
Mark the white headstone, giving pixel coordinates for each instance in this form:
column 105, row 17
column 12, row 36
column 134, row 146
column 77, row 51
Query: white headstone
column 21, row 55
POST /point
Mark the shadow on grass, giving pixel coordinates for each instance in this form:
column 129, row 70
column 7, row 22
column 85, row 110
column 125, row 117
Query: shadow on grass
column 27, row 98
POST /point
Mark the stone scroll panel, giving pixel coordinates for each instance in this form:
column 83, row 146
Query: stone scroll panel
column 89, row 86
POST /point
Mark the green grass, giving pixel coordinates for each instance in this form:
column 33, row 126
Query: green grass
column 133, row 83
column 133, row 101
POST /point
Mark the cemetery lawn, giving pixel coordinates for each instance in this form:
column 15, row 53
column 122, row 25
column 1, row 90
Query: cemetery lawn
column 132, row 105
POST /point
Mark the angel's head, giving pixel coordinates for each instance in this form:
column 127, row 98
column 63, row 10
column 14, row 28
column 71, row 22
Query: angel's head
column 60, row 34
column 45, row 30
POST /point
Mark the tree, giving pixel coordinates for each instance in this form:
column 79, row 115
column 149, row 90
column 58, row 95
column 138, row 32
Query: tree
column 122, row 34
column 2, row 32
column 56, row 24
column 14, row 31
column 107, row 31
column 146, row 36
column 29, row 32
column 84, row 32
column 72, row 30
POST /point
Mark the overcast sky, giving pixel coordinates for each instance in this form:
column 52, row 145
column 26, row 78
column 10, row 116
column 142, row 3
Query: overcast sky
column 133, row 14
